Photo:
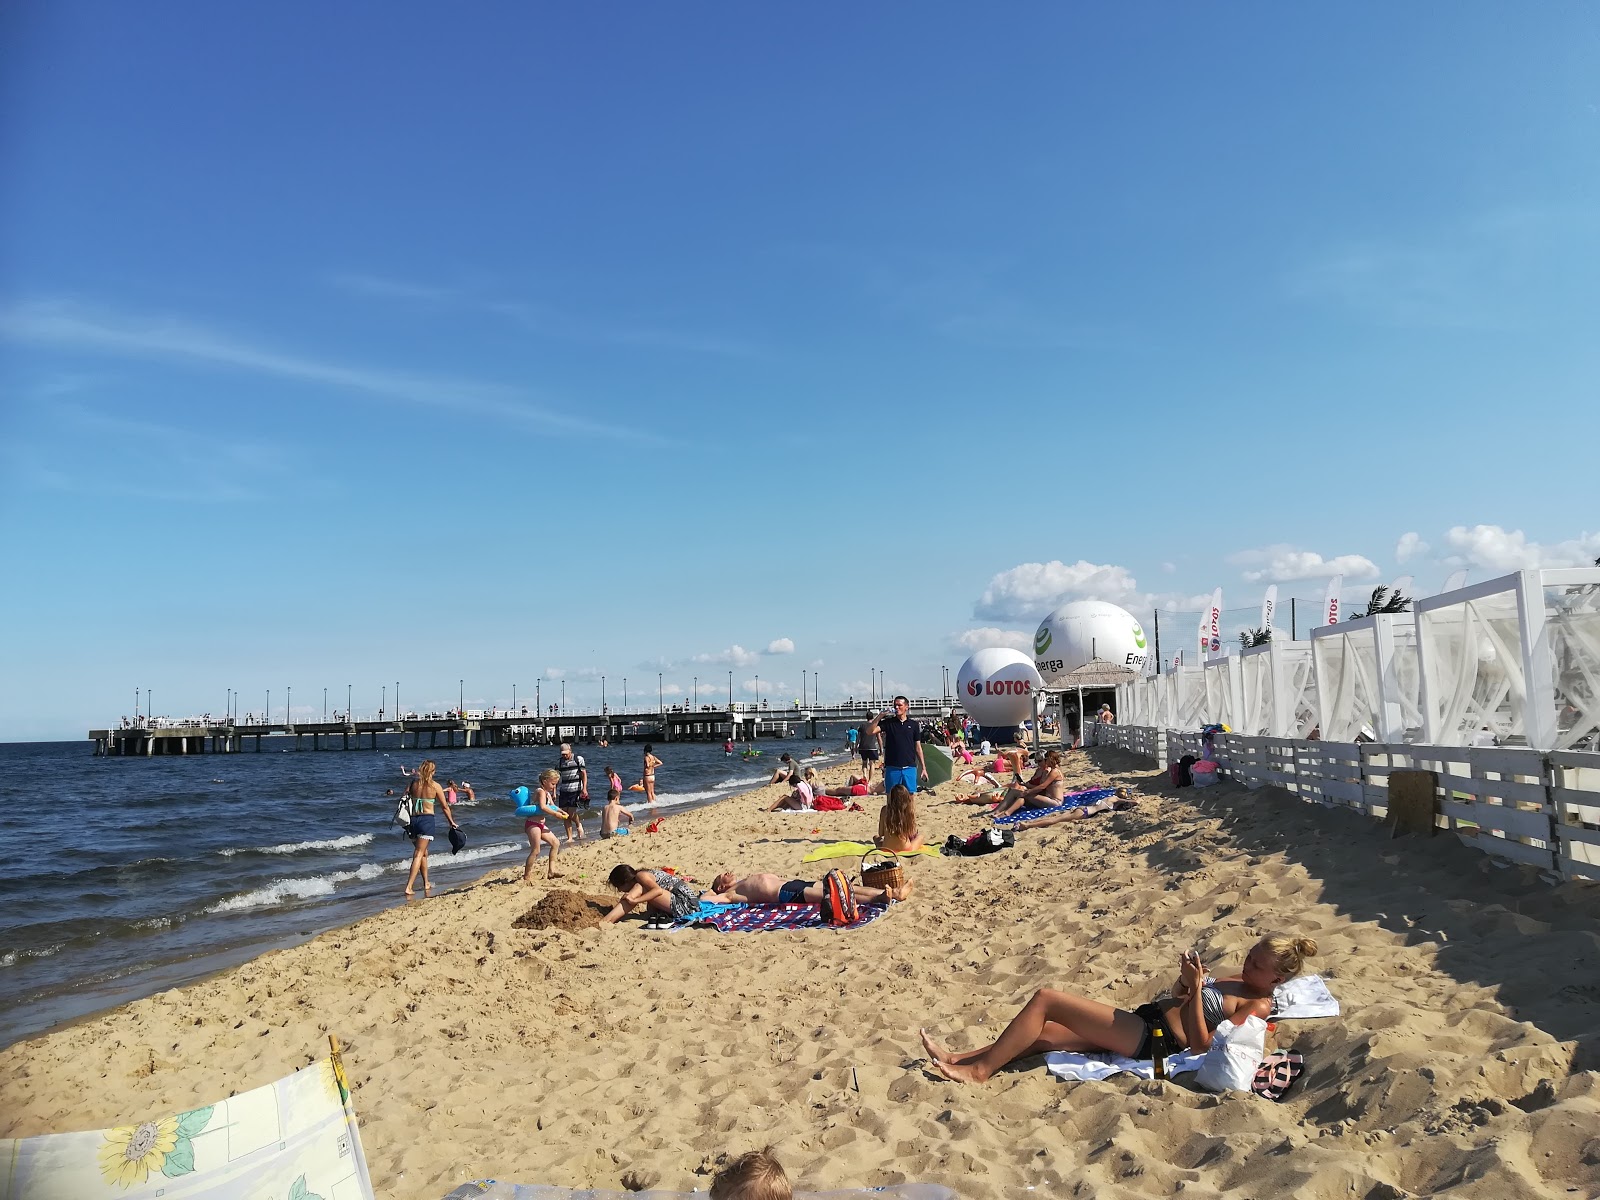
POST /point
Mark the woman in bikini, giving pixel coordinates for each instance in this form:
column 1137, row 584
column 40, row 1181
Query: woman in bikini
column 424, row 792
column 538, row 831
column 1044, row 790
column 651, row 762
column 897, row 823
column 1055, row 1020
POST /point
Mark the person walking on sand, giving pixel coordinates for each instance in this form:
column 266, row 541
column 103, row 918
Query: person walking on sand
column 424, row 793
column 651, row 762
column 1055, row 1020
column 902, row 745
column 869, row 747
column 537, row 828
column 573, row 796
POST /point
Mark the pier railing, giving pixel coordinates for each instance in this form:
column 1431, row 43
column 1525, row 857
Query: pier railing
column 1536, row 807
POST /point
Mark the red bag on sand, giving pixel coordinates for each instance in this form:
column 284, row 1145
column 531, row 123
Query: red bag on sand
column 828, row 804
column 839, row 900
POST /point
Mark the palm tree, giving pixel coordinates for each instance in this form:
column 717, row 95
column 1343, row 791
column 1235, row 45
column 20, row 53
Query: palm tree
column 1254, row 637
column 1382, row 601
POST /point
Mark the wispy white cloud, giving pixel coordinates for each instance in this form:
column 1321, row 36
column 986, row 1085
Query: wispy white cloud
column 1033, row 589
column 781, row 645
column 1497, row 549
column 1410, row 546
column 982, row 639
column 1285, row 564
column 734, row 656
column 174, row 340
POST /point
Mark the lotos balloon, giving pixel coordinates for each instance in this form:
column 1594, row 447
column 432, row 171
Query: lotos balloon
column 1086, row 630
column 997, row 686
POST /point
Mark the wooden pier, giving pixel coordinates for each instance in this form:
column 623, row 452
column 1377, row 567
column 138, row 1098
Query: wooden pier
column 743, row 723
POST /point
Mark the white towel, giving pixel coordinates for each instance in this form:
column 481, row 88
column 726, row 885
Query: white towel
column 1304, row 996
column 1095, row 1066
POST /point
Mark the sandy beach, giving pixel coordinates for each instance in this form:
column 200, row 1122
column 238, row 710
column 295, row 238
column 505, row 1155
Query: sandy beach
column 1463, row 1065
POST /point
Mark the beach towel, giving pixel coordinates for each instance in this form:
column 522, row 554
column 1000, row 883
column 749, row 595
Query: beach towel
column 1276, row 1074
column 1068, row 803
column 760, row 918
column 295, row 1138
column 857, row 849
column 489, row 1189
column 1303, row 997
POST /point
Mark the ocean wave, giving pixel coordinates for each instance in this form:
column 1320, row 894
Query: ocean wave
column 348, row 842
column 313, row 887
column 9, row 957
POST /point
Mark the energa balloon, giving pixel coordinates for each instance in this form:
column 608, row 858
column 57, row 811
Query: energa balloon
column 1084, row 630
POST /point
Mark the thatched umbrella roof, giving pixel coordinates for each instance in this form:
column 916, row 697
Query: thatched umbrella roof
column 1097, row 673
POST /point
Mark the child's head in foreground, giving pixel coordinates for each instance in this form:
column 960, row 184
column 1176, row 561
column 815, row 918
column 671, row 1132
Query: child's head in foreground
column 754, row 1176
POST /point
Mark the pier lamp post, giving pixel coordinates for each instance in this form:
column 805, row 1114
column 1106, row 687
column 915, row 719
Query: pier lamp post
column 661, row 694
column 383, row 704
column 602, row 694
column 148, row 711
column 461, row 692
column 288, row 713
column 396, row 699
column 758, row 693
column 349, row 689
column 135, row 704
column 697, row 691
column 513, row 699
column 324, row 706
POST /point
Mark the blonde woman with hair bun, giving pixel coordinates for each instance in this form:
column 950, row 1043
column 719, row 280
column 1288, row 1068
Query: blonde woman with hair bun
column 1054, row 1020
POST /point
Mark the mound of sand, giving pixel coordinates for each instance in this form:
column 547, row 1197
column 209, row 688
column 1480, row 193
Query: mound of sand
column 565, row 910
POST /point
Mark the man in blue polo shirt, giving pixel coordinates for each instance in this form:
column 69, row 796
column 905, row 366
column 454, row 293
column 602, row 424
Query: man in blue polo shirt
column 902, row 746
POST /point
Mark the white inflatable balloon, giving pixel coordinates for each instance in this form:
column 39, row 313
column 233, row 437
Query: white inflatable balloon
column 1084, row 630
column 997, row 686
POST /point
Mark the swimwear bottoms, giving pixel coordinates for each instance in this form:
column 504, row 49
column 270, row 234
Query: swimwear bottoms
column 869, row 754
column 793, row 892
column 1152, row 1016
column 424, row 826
column 531, row 824
column 905, row 775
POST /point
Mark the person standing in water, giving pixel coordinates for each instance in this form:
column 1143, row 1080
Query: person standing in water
column 651, row 762
column 425, row 792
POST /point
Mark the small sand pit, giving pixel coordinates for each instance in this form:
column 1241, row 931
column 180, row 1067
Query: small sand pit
column 565, row 910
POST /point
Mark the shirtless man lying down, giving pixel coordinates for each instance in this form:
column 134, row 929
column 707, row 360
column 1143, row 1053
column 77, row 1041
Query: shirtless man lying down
column 767, row 888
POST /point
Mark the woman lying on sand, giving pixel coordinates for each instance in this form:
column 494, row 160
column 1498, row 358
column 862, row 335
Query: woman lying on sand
column 765, row 888
column 660, row 891
column 857, row 786
column 897, row 823
column 1121, row 801
column 1061, row 1021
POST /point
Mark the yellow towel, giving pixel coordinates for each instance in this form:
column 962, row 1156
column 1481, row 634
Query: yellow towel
column 857, row 849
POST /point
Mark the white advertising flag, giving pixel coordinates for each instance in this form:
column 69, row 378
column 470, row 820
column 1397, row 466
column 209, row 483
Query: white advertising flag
column 1205, row 631
column 1214, row 624
column 1269, row 604
column 1330, row 600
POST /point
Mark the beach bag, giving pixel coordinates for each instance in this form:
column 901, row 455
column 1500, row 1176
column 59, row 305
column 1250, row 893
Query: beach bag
column 1182, row 771
column 887, row 874
column 839, row 900
column 1204, row 773
column 402, row 814
column 1235, row 1056
column 986, row 841
column 458, row 840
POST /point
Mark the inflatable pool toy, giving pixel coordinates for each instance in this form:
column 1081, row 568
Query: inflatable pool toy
column 526, row 806
column 636, row 787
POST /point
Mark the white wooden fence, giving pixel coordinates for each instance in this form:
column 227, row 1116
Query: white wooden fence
column 1536, row 807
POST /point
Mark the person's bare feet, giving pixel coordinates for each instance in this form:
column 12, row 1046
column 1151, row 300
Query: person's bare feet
column 409, row 892
column 959, row 1072
column 935, row 1051
column 556, row 875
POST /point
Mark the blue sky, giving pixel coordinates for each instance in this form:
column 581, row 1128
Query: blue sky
column 370, row 342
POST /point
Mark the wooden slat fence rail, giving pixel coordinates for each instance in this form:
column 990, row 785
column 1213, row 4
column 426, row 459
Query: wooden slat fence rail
column 1536, row 807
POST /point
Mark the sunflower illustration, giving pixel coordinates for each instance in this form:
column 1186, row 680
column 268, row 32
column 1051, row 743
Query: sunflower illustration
column 131, row 1152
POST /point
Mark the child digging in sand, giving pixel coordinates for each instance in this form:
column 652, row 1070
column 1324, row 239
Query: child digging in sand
column 754, row 1176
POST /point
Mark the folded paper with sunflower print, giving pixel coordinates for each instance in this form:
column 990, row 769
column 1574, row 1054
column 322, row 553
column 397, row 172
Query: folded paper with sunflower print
column 295, row 1139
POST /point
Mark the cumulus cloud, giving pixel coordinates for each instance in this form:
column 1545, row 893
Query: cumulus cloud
column 1284, row 564
column 1497, row 549
column 982, row 639
column 1410, row 546
column 1033, row 589
column 780, row 646
column 734, row 656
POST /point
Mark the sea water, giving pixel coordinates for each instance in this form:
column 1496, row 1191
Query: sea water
column 126, row 876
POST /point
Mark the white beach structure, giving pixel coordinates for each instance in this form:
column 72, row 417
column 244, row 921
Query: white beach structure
column 1367, row 673
column 1280, row 690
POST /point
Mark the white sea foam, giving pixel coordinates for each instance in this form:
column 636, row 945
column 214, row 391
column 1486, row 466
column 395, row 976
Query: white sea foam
column 309, row 887
column 9, row 958
column 154, row 923
column 348, row 842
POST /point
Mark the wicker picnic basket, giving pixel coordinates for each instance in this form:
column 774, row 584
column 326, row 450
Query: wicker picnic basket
column 888, row 874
